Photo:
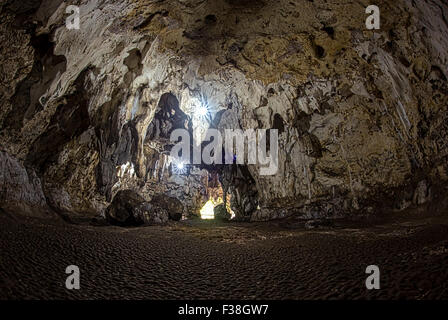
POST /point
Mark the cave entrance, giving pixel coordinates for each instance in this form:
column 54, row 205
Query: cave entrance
column 208, row 211
column 215, row 195
column 197, row 185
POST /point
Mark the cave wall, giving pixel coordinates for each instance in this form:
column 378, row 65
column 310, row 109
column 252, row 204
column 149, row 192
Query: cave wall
column 361, row 114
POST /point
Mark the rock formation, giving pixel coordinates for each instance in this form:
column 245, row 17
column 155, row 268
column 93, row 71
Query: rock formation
column 130, row 209
column 361, row 114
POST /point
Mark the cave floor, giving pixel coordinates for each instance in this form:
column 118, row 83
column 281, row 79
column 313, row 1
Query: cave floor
column 211, row 260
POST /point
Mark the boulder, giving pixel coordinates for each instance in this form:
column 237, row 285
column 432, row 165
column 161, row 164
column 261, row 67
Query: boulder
column 221, row 213
column 122, row 209
column 174, row 207
column 130, row 209
column 151, row 214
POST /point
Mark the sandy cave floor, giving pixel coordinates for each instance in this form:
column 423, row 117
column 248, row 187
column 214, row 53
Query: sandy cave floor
column 212, row 260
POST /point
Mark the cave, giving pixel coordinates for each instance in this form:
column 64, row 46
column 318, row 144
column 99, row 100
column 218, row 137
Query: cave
column 224, row 150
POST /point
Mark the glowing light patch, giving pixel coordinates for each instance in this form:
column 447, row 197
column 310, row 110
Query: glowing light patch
column 207, row 212
column 126, row 169
column 202, row 111
column 179, row 167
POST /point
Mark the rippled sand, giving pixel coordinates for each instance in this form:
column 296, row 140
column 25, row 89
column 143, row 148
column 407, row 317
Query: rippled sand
column 209, row 260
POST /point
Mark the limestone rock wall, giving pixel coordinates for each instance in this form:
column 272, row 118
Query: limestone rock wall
column 21, row 189
column 361, row 114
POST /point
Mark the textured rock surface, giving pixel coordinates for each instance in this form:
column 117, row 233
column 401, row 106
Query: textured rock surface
column 172, row 205
column 152, row 215
column 20, row 189
column 362, row 115
column 126, row 209
column 221, row 213
column 130, row 209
